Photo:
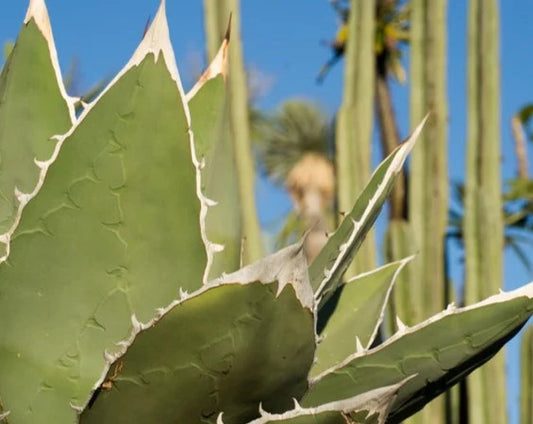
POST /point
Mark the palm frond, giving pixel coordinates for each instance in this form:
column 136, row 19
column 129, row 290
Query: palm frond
column 299, row 127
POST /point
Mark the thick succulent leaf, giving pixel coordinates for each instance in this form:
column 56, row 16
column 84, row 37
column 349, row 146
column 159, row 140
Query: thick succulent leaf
column 239, row 342
column 33, row 108
column 206, row 101
column 441, row 350
column 224, row 220
column 328, row 268
column 366, row 408
column 114, row 233
column 219, row 175
column 357, row 317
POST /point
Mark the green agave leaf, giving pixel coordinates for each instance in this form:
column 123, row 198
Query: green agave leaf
column 328, row 268
column 219, row 175
column 34, row 108
column 114, row 233
column 246, row 339
column 357, row 317
column 366, row 408
column 441, row 350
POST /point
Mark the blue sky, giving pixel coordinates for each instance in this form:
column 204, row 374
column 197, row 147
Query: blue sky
column 282, row 43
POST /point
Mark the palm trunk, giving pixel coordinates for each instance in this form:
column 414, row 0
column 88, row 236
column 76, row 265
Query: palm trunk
column 520, row 147
column 390, row 139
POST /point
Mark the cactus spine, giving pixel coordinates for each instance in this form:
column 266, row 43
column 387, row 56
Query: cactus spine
column 483, row 224
column 354, row 120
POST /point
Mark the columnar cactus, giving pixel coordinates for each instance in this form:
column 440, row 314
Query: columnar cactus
column 355, row 117
column 107, row 311
column 483, row 223
column 526, row 394
column 428, row 184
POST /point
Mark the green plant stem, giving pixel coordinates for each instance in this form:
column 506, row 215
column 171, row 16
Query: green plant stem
column 212, row 29
column 526, row 384
column 483, row 222
column 428, row 191
column 354, row 120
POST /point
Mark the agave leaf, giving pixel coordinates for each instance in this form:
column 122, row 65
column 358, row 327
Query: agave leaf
column 34, row 108
column 241, row 341
column 219, row 175
column 442, row 350
column 369, row 407
column 328, row 268
column 358, row 315
column 113, row 233
column 206, row 101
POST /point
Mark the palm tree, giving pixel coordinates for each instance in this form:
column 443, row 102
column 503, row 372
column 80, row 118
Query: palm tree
column 292, row 147
column 293, row 143
column 391, row 35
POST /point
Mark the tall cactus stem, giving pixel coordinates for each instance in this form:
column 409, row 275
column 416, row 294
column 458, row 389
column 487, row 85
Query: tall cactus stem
column 355, row 120
column 526, row 394
column 428, row 192
column 212, row 28
column 483, row 223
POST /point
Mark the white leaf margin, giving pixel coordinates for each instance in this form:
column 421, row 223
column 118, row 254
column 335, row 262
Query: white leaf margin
column 375, row 401
column 394, row 168
column 502, row 297
column 38, row 12
column 287, row 267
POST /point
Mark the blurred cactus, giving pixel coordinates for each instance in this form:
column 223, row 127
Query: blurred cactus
column 428, row 180
column 483, row 223
column 355, row 119
column 526, row 394
column 108, row 311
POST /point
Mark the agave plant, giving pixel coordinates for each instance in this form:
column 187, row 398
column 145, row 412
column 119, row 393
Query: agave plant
column 107, row 313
